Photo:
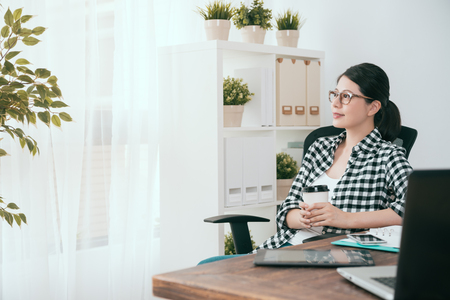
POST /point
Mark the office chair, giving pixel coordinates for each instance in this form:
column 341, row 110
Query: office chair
column 238, row 223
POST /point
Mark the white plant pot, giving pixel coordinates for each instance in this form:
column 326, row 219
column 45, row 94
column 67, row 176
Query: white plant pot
column 288, row 38
column 232, row 115
column 217, row 29
column 253, row 34
column 283, row 188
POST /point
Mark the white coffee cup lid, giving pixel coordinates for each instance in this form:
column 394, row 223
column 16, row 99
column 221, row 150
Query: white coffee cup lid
column 316, row 189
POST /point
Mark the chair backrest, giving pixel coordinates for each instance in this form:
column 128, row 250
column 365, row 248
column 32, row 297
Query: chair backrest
column 405, row 139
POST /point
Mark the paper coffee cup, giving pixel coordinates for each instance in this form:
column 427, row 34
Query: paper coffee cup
column 314, row 194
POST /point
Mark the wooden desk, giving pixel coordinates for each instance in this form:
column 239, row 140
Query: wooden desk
column 239, row 278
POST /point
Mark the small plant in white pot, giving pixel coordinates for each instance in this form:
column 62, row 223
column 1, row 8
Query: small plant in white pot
column 288, row 24
column 287, row 169
column 253, row 21
column 235, row 95
column 217, row 15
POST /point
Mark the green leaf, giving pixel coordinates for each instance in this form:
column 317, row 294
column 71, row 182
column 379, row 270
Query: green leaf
column 52, row 80
column 42, row 73
column 56, row 121
column 19, row 132
column 41, row 91
column 17, row 14
column 3, row 81
column 65, row 117
column 23, row 217
column 16, row 27
column 12, row 54
column 58, row 104
column 18, row 219
column 22, row 142
column 25, row 78
column 3, row 152
column 16, row 85
column 38, row 30
column 25, row 18
column 9, row 66
column 25, row 32
column 57, row 91
column 10, row 43
column 30, row 41
column 31, row 117
column 44, row 117
column 30, row 144
column 22, row 61
column 5, row 31
column 9, row 18
column 8, row 218
column 2, row 214
column 12, row 206
column 25, row 70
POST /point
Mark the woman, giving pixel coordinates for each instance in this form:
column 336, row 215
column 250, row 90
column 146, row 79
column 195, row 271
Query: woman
column 366, row 173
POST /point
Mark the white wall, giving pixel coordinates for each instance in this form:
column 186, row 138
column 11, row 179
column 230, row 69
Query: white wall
column 409, row 39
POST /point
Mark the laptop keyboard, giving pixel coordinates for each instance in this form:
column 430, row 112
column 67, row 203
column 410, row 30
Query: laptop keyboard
column 388, row 281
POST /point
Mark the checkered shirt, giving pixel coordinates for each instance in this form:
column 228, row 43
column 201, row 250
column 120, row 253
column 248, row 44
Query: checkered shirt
column 375, row 179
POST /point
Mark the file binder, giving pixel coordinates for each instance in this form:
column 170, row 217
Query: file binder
column 290, row 92
column 267, row 169
column 251, row 164
column 233, row 171
column 312, row 93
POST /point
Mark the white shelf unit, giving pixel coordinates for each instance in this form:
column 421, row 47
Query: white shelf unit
column 192, row 143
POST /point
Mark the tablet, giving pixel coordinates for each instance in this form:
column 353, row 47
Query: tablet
column 313, row 258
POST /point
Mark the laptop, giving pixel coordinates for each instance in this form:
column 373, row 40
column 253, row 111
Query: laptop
column 423, row 269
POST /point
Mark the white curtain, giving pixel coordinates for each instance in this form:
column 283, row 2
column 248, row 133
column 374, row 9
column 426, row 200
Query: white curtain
column 91, row 196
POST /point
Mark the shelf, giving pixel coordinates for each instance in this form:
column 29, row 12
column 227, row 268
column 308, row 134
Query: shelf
column 239, row 47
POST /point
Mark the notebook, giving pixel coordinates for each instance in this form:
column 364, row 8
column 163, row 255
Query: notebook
column 423, row 270
column 391, row 234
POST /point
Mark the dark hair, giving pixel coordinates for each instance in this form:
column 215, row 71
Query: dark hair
column 374, row 83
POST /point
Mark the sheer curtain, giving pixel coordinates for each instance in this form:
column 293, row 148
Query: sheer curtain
column 91, row 196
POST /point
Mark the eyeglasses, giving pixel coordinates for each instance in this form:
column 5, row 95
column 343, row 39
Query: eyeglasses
column 344, row 97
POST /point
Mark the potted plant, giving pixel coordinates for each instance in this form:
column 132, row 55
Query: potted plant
column 217, row 17
column 253, row 22
column 287, row 169
column 25, row 95
column 288, row 25
column 235, row 95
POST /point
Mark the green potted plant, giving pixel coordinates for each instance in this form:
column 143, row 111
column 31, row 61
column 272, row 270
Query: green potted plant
column 229, row 244
column 288, row 24
column 287, row 169
column 235, row 95
column 253, row 21
column 217, row 15
column 25, row 95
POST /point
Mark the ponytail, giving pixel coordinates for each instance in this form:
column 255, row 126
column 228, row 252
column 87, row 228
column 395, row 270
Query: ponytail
column 388, row 121
column 374, row 83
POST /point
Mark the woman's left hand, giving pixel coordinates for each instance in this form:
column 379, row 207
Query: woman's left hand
column 326, row 214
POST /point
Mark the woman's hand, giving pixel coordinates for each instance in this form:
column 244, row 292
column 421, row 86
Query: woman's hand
column 297, row 218
column 325, row 214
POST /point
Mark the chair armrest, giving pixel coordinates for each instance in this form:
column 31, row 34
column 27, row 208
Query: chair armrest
column 239, row 229
column 235, row 219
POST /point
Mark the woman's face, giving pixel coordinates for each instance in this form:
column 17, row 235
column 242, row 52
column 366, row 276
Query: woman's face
column 357, row 112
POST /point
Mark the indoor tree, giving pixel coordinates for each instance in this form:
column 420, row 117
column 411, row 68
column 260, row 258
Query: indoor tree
column 26, row 95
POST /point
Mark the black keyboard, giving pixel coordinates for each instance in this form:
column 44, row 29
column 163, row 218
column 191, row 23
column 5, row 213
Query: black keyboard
column 388, row 281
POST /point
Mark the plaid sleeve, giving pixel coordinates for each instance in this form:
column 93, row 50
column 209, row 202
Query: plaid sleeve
column 397, row 172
